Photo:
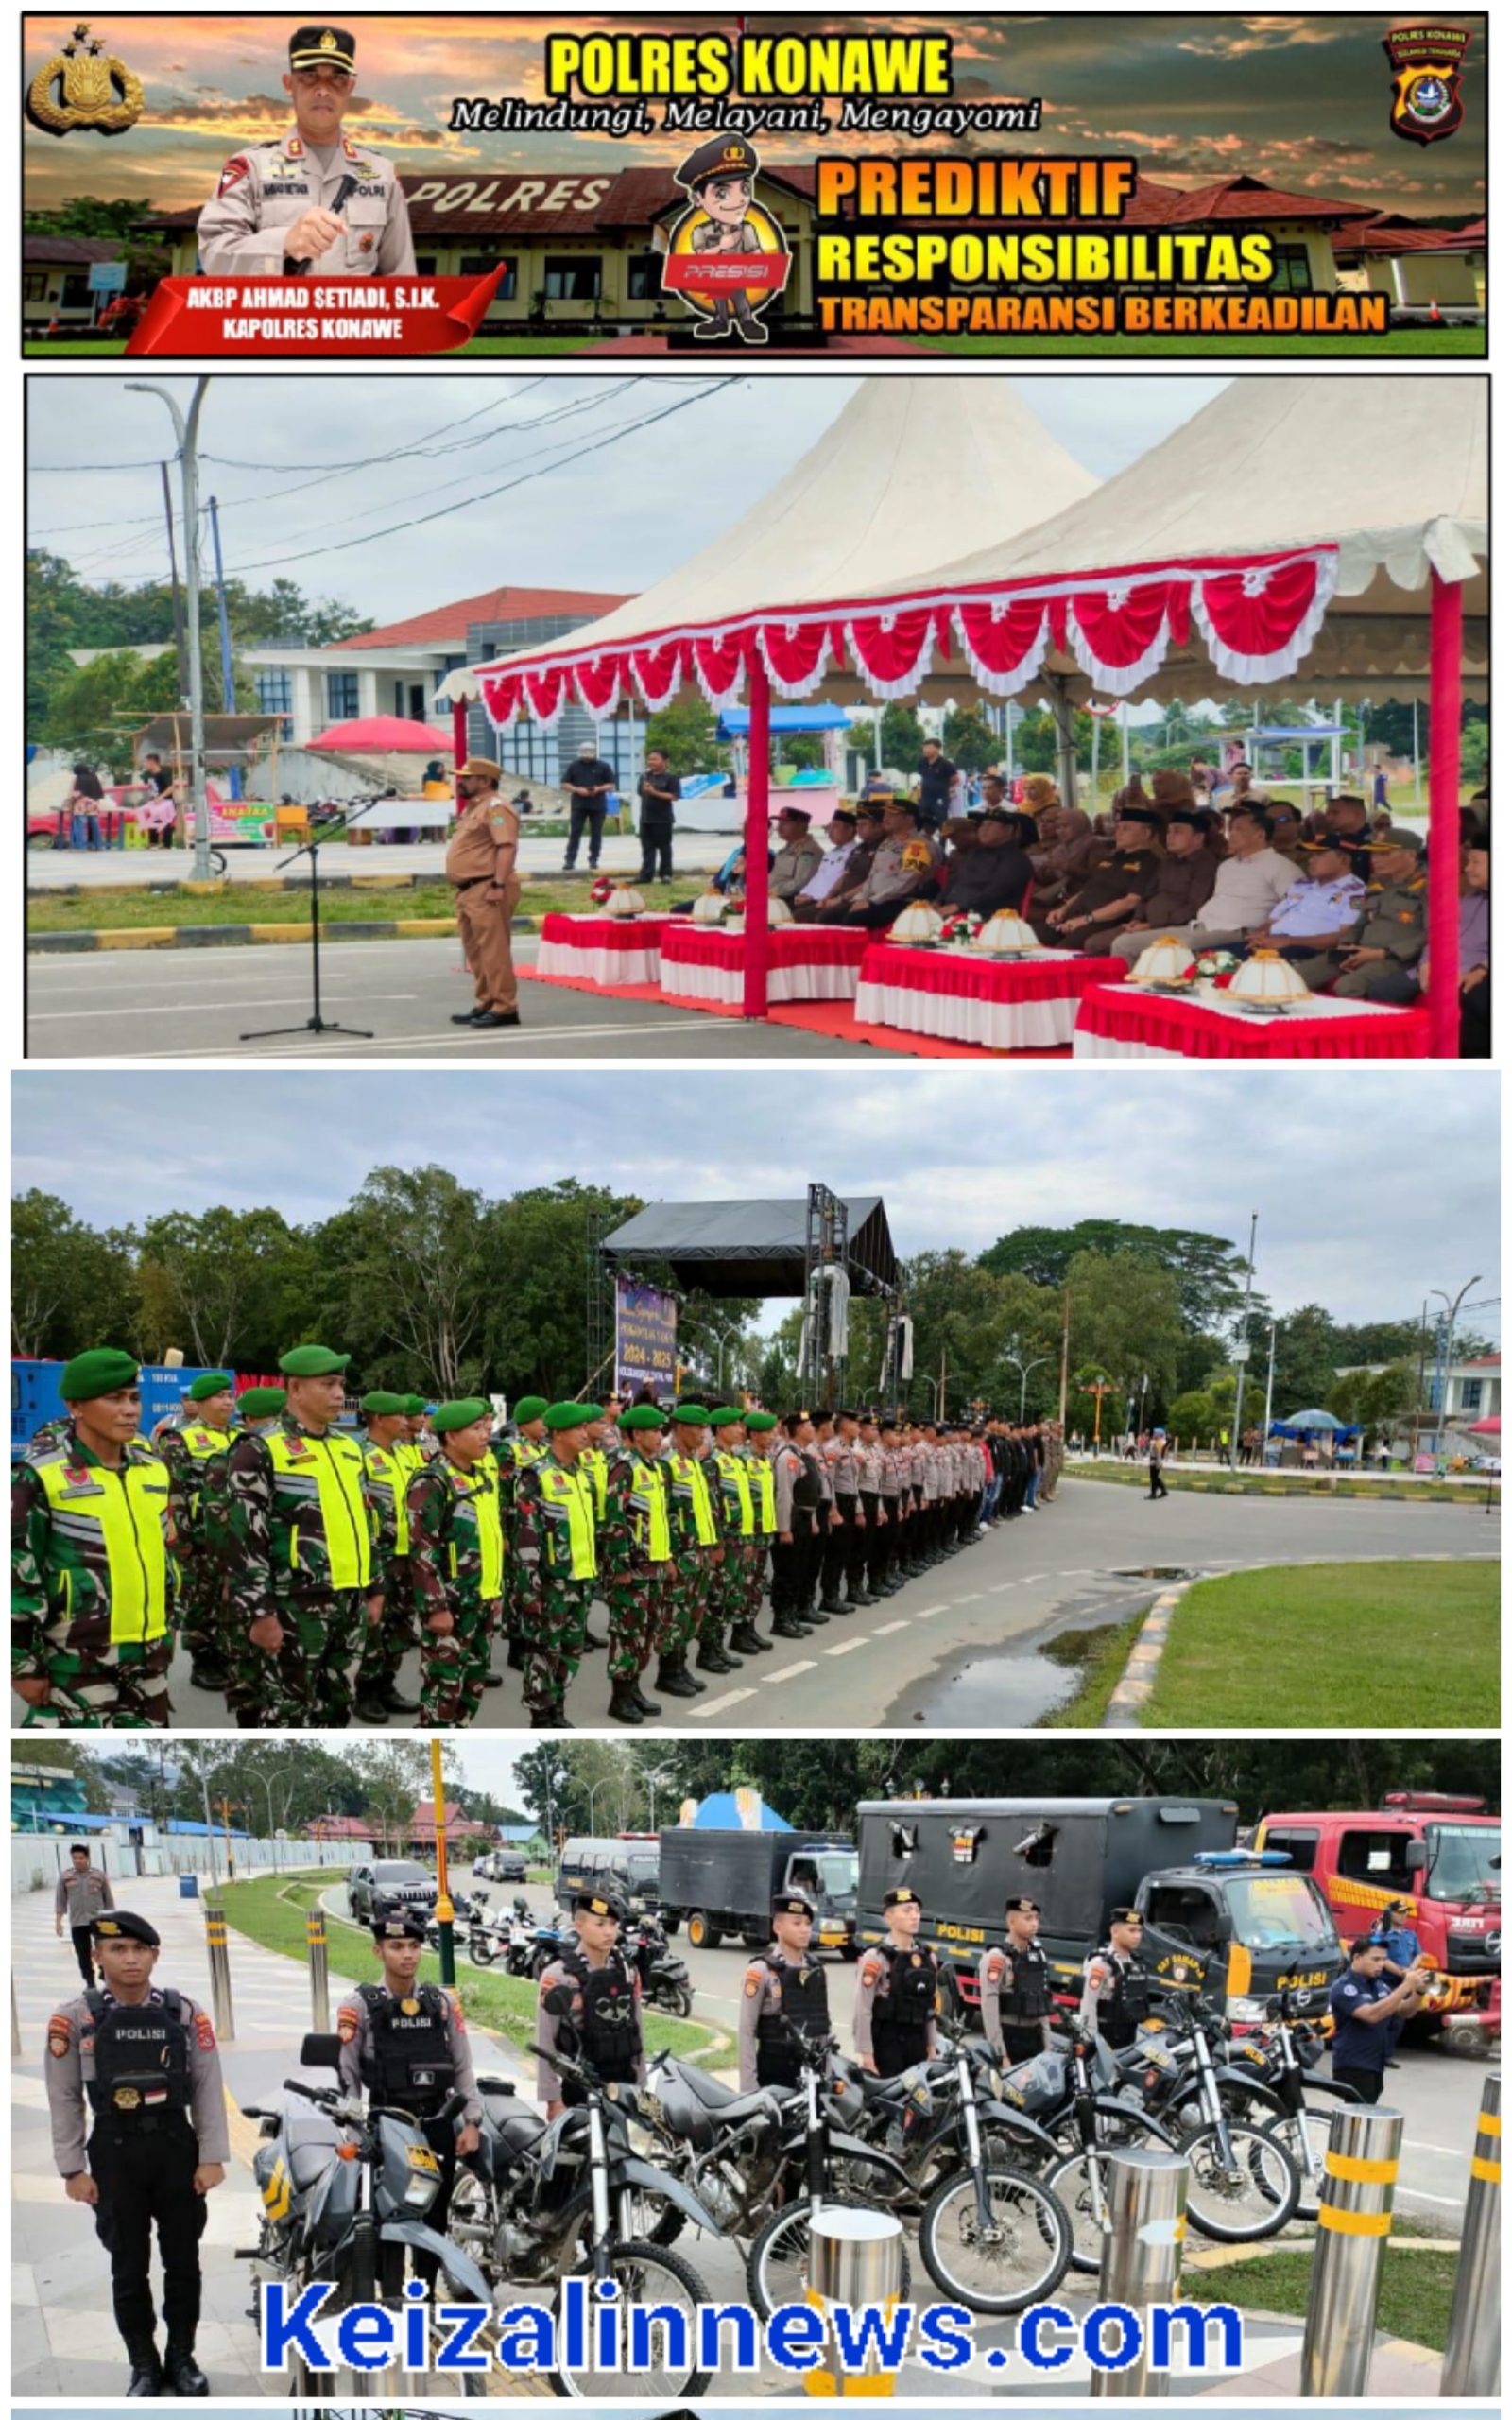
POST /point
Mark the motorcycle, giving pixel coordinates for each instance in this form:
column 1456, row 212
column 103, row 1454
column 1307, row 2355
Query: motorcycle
column 543, row 2199
column 1246, row 2183
column 1078, row 2097
column 664, row 1980
column 1284, row 2050
column 345, row 2194
column 467, row 1908
column 992, row 2233
column 499, row 1937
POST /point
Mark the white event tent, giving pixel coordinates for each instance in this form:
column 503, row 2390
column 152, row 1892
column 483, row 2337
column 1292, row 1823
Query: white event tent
column 1336, row 522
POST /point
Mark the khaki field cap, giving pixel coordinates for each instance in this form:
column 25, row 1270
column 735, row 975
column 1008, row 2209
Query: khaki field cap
column 479, row 768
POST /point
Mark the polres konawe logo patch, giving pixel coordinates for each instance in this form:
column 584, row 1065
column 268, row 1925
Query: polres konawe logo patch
column 1426, row 64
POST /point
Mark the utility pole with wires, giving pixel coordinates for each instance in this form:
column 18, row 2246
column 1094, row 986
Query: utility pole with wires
column 187, row 432
column 1240, row 1355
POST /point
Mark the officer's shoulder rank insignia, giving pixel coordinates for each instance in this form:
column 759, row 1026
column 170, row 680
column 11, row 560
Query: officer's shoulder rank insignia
column 753, row 1983
column 205, row 2031
column 60, row 2036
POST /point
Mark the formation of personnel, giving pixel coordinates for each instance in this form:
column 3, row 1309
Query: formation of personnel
column 139, row 2135
column 301, row 1561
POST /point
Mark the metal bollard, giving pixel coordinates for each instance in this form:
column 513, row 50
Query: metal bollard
column 1354, row 2221
column 855, row 2257
column 225, row 2020
column 319, row 1980
column 1473, row 2354
column 1142, row 2256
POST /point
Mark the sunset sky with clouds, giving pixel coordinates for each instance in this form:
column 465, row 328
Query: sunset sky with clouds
column 1299, row 100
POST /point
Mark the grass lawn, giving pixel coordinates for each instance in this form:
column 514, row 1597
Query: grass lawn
column 247, row 903
column 1212, row 1479
column 271, row 1908
column 1334, row 1643
column 1416, row 2290
column 1401, row 342
column 1099, row 1657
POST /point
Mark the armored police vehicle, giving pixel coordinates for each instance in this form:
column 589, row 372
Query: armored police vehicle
column 1218, row 1917
column 722, row 1883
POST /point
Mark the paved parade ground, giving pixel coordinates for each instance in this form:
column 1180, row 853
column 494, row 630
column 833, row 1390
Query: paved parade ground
column 953, row 1649
column 193, row 1004
column 63, row 2340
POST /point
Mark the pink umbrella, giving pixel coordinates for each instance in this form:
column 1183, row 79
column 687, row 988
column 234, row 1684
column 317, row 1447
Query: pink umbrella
column 1485, row 1428
column 381, row 735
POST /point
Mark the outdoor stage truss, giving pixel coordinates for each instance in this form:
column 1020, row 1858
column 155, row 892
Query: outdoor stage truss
column 826, row 1240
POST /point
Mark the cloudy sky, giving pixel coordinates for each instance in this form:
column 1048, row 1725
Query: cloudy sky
column 1300, row 100
column 1373, row 1185
column 277, row 451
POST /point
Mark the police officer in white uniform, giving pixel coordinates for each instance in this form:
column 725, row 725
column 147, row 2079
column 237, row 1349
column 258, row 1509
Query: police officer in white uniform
column 316, row 199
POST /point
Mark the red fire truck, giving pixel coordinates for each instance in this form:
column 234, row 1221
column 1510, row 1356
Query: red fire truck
column 1443, row 1857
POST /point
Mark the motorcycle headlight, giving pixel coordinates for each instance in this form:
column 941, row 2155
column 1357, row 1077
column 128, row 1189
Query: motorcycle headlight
column 1246, row 2010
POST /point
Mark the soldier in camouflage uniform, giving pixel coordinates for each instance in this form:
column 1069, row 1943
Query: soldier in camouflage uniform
column 193, row 1446
column 556, row 1559
column 697, row 1553
column 389, row 1472
column 456, row 1556
column 761, row 1437
column 733, row 1485
column 92, row 1582
column 515, row 1454
column 303, row 1577
column 635, row 1554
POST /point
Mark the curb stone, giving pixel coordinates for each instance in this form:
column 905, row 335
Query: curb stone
column 1121, row 1712
column 240, row 936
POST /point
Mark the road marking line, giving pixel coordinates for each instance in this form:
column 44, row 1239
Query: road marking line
column 1030, row 1576
column 887, row 1629
column 924, row 1611
column 790, row 1672
column 847, row 1647
column 1001, row 1587
column 717, row 1705
column 974, row 1598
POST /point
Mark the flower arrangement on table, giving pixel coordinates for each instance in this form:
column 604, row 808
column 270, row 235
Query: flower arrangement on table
column 1218, row 967
column 600, row 892
column 961, row 928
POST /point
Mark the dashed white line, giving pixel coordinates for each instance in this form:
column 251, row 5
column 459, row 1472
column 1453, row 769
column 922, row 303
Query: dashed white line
column 717, row 1705
column 887, row 1629
column 974, row 1598
column 1001, row 1587
column 924, row 1611
column 790, row 1672
column 847, row 1647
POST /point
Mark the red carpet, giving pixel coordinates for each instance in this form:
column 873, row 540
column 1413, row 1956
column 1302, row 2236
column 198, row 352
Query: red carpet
column 603, row 991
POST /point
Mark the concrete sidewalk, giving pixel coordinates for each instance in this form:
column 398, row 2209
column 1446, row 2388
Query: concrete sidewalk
column 117, row 868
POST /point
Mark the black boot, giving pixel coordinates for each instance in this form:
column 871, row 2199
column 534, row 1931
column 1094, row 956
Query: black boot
column 516, row 1655
column 785, row 1627
column 554, row 1720
column 648, row 1706
column 372, row 1710
column 623, row 1706
column 147, row 2370
column 185, row 2374
column 592, row 1643
column 674, row 1683
column 700, row 1689
column 393, row 1701
column 831, row 1605
column 711, row 1658
column 749, row 1640
column 208, row 1672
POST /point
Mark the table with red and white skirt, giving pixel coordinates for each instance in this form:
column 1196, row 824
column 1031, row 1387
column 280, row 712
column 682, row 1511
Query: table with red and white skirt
column 705, row 963
column 1023, row 1003
column 1127, row 1021
column 600, row 952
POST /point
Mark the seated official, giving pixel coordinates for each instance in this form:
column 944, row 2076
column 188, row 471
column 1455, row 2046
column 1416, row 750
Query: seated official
column 829, row 876
column 1319, row 911
column 905, row 867
column 1285, row 830
column 870, row 832
column 1113, row 890
column 1377, row 959
column 798, row 856
column 1183, row 886
column 994, row 871
column 1474, row 949
column 1250, row 882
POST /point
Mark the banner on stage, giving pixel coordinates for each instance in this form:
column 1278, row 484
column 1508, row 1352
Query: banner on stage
column 646, row 1338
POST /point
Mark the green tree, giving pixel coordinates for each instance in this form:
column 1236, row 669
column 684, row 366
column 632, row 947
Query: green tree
column 686, row 730
column 535, row 1328
column 70, row 1284
column 213, row 1285
column 1126, row 1316
column 409, row 1277
column 1209, row 1269
column 1307, row 1358
column 902, row 739
column 971, row 740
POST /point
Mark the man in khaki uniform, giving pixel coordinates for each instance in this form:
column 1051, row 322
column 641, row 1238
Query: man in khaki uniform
column 1377, row 959
column 480, row 864
column 315, row 199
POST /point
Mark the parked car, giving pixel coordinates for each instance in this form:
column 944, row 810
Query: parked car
column 500, row 1865
column 388, row 1882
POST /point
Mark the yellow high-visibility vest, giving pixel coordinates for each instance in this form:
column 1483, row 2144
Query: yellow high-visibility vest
column 124, row 1511
column 204, row 1441
column 388, row 1470
column 481, row 1491
column 735, row 1468
column 691, row 1474
column 595, row 1462
column 648, row 1510
column 336, row 1465
column 572, row 1489
column 764, row 1478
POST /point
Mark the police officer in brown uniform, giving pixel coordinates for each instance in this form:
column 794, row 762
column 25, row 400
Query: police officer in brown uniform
column 590, row 2005
column 1378, row 960
column 785, row 1988
column 1015, row 1988
column 404, row 2044
column 896, row 1989
column 145, row 2061
column 315, row 199
column 480, row 865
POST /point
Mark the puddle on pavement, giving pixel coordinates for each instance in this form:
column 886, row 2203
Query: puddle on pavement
column 1013, row 1688
column 1156, row 1571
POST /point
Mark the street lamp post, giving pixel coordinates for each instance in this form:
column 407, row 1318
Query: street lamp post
column 1023, row 1369
column 1240, row 1355
column 187, row 432
column 1451, row 1314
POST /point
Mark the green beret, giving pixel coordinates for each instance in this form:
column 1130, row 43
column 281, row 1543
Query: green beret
column 211, row 1382
column 566, row 1415
column 459, row 1414
column 255, row 1403
column 592, row 1411
column 102, row 1371
column 690, row 1415
column 725, row 1417
column 759, row 1423
column 312, row 1361
column 386, row 1405
column 531, row 1407
column 413, row 1407
column 644, row 1416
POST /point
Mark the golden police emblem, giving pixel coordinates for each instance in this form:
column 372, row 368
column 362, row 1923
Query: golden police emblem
column 126, row 2096
column 409, row 2008
column 84, row 86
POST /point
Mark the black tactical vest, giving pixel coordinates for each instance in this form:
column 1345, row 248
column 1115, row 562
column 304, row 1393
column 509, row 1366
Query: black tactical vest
column 140, row 2058
column 408, row 2061
column 901, row 2018
column 1126, row 2003
column 605, row 2026
column 808, row 1488
column 1027, row 1996
column 806, row 2003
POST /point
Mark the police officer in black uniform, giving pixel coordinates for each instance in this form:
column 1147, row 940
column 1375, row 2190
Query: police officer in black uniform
column 590, row 2005
column 1115, row 1997
column 1015, row 1988
column 404, row 2044
column 897, row 1986
column 783, row 1987
column 145, row 2061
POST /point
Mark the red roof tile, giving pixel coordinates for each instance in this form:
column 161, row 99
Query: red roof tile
column 448, row 625
column 1394, row 233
